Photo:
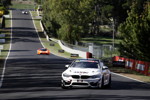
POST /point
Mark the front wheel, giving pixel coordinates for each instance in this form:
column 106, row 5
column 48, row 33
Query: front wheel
column 101, row 84
column 109, row 84
column 63, row 86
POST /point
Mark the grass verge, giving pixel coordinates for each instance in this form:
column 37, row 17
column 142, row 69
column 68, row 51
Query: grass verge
column 101, row 40
column 130, row 73
column 23, row 4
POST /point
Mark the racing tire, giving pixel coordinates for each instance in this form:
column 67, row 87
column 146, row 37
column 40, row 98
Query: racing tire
column 101, row 85
column 109, row 84
column 63, row 86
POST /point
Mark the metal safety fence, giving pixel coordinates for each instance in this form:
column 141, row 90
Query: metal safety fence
column 98, row 51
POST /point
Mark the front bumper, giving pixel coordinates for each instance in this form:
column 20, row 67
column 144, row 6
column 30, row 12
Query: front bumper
column 39, row 52
column 81, row 82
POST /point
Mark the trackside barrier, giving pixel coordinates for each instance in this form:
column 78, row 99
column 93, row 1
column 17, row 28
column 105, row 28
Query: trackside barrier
column 115, row 58
column 147, row 65
column 137, row 65
column 88, row 55
column 140, row 66
column 118, row 61
column 81, row 54
column 130, row 63
column 143, row 67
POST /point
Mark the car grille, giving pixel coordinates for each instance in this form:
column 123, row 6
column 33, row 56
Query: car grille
column 79, row 84
column 80, row 77
column 85, row 77
column 76, row 76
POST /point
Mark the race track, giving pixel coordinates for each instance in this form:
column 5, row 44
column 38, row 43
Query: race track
column 29, row 76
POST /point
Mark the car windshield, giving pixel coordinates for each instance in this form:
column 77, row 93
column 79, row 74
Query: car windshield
column 85, row 65
column 43, row 49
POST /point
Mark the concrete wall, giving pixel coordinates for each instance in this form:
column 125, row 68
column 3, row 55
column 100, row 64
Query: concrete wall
column 67, row 49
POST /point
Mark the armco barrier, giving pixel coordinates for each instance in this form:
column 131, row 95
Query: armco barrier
column 118, row 61
column 137, row 65
column 147, row 65
column 140, row 66
column 88, row 55
column 67, row 49
column 121, row 59
column 115, row 58
column 148, row 71
column 130, row 63
column 133, row 64
column 143, row 67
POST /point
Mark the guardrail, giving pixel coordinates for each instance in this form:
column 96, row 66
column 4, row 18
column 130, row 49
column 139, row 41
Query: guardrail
column 136, row 65
column 73, row 51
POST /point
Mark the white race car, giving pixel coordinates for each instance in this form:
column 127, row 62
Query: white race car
column 86, row 73
column 24, row 12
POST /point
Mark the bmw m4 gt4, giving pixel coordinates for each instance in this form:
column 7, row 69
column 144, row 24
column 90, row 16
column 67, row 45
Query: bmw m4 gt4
column 86, row 73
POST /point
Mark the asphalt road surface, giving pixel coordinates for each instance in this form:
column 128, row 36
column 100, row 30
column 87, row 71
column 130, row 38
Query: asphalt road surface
column 29, row 76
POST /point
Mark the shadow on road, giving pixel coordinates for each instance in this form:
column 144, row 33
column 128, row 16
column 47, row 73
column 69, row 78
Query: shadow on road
column 33, row 73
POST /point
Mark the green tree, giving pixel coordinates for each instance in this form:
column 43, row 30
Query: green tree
column 38, row 1
column 81, row 16
column 136, row 33
column 5, row 3
column 67, row 19
column 109, row 9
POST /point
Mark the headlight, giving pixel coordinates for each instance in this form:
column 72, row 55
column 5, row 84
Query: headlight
column 66, row 75
column 96, row 76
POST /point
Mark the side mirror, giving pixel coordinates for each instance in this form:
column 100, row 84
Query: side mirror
column 105, row 67
column 67, row 66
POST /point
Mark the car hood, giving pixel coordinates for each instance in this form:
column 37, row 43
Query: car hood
column 82, row 71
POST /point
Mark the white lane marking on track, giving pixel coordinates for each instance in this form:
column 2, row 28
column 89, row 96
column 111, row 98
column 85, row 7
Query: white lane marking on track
column 4, row 66
column 128, row 77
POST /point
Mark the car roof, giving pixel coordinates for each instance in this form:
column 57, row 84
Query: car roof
column 42, row 48
column 87, row 60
